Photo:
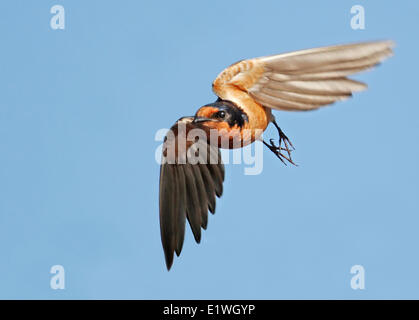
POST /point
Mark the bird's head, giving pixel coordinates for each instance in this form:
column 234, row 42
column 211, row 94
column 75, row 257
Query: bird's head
column 220, row 115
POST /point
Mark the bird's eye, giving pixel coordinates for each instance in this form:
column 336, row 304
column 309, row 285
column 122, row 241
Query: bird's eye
column 220, row 114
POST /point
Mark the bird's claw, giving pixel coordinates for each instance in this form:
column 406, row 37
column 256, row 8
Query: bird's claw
column 277, row 151
column 284, row 145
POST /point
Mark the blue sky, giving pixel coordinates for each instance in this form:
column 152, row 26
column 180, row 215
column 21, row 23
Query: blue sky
column 79, row 109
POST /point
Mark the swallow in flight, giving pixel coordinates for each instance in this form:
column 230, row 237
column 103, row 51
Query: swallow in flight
column 247, row 93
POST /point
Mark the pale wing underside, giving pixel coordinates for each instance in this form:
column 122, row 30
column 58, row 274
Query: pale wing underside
column 302, row 80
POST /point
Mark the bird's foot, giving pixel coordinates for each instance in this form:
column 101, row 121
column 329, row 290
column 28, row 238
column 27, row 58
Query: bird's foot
column 277, row 150
column 284, row 145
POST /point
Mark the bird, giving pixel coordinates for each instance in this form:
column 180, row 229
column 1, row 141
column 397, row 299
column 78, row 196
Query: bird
column 247, row 93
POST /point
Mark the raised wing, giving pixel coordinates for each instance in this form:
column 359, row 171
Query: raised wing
column 301, row 80
column 188, row 186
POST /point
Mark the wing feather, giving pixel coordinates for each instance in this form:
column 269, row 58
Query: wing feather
column 202, row 196
column 209, row 187
column 181, row 210
column 187, row 189
column 335, row 87
column 193, row 211
column 302, row 80
column 167, row 219
column 303, row 97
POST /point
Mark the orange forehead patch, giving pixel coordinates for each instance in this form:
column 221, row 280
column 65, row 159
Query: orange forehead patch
column 206, row 112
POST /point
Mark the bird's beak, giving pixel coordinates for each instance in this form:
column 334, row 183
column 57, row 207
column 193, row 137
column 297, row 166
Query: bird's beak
column 201, row 119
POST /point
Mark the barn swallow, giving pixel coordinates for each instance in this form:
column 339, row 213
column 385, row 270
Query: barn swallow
column 247, row 93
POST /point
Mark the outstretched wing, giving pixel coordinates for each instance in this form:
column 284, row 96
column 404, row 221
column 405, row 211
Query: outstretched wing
column 187, row 187
column 301, row 80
